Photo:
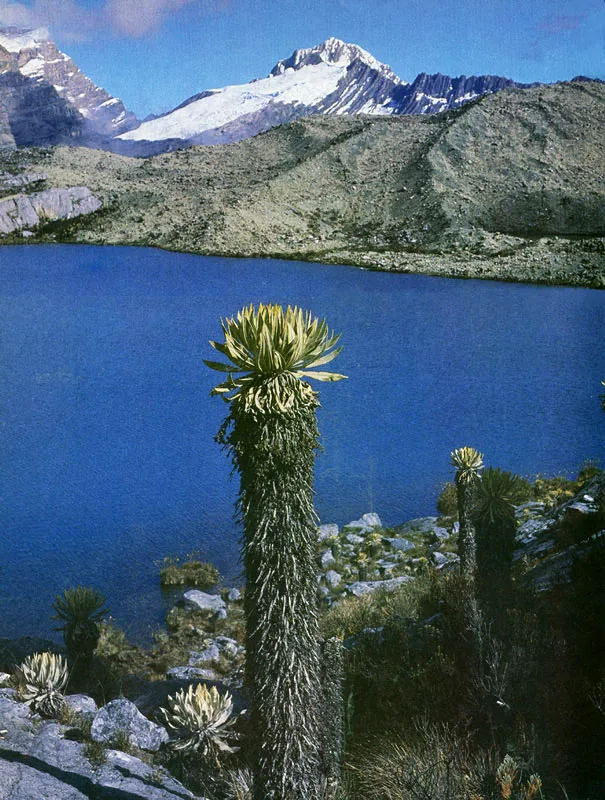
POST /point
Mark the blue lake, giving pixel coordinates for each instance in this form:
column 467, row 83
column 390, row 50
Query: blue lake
column 107, row 426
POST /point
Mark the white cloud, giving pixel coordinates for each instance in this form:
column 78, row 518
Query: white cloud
column 123, row 17
column 138, row 17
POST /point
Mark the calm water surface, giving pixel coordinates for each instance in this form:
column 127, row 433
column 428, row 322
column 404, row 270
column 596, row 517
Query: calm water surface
column 108, row 458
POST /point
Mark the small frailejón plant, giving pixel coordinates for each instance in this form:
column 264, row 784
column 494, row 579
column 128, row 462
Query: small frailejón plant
column 44, row 677
column 272, row 436
column 467, row 462
column 81, row 610
column 202, row 720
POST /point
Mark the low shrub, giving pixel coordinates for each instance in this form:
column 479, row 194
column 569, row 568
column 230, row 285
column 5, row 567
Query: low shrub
column 447, row 502
column 192, row 572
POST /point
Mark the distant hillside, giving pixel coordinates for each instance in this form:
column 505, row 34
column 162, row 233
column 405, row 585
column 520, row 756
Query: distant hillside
column 510, row 186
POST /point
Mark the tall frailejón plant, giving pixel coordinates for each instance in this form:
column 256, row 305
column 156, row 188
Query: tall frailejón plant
column 272, row 436
column 467, row 462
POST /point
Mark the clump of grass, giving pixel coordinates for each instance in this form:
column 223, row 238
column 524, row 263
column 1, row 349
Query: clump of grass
column 121, row 741
column 96, row 753
column 434, row 765
column 191, row 572
column 417, row 599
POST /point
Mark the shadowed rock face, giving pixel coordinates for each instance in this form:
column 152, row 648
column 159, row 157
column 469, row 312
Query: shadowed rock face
column 35, row 114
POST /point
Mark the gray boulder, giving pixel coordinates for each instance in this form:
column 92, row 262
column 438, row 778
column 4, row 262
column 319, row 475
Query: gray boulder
column 29, row 211
column 228, row 647
column 123, row 716
column 234, row 595
column 210, row 653
column 400, row 544
column 190, row 673
column 195, row 600
column 82, row 704
column 327, row 559
column 421, row 525
column 327, row 531
column 353, row 538
column 371, row 519
column 366, row 523
column 359, row 588
column 37, row 762
column 333, row 578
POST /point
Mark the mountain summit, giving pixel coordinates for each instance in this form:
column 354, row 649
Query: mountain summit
column 46, row 99
column 333, row 51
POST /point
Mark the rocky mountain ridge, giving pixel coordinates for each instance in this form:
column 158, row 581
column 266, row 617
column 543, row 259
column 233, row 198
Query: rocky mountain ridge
column 333, row 78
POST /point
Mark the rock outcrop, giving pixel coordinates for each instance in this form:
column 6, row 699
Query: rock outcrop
column 555, row 541
column 36, row 761
column 121, row 716
column 22, row 211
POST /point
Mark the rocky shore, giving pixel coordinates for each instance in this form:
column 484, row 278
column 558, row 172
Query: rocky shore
column 45, row 758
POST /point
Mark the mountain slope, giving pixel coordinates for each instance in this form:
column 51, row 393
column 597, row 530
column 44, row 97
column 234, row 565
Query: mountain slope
column 332, row 78
column 35, row 57
column 471, row 192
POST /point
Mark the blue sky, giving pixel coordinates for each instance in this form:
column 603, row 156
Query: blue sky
column 153, row 54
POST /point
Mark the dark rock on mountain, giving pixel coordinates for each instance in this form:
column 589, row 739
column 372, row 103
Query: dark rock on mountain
column 35, row 114
column 431, row 94
column 33, row 55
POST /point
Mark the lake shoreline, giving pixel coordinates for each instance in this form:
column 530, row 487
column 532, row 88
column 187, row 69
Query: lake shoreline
column 535, row 264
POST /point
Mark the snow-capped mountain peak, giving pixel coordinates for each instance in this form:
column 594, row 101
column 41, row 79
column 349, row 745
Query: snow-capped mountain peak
column 331, row 78
column 333, row 51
